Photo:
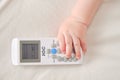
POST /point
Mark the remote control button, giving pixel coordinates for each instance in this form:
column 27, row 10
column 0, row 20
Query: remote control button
column 53, row 51
column 75, row 59
column 59, row 58
column 48, row 51
column 65, row 59
column 62, row 59
column 54, row 56
column 70, row 59
column 58, row 50
column 54, row 45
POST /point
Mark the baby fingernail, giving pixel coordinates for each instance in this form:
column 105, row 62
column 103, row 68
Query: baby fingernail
column 68, row 56
column 78, row 57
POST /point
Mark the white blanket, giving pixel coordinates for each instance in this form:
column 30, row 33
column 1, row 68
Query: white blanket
column 42, row 18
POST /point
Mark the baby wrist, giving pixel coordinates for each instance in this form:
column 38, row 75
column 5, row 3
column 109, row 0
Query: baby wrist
column 80, row 20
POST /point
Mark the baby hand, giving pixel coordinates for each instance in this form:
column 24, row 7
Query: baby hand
column 71, row 36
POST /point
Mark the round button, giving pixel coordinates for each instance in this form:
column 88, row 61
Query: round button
column 70, row 59
column 75, row 59
column 53, row 51
column 65, row 59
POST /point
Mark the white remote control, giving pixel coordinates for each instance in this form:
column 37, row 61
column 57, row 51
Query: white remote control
column 43, row 51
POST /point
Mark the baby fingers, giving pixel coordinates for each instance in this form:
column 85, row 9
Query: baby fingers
column 68, row 41
column 77, row 47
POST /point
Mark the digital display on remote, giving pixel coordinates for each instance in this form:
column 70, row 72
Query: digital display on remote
column 30, row 51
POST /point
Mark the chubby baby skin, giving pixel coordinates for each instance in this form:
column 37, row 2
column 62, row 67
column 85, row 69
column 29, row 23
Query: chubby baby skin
column 72, row 32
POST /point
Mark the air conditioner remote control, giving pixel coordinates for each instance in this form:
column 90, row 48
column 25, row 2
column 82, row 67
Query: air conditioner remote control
column 43, row 51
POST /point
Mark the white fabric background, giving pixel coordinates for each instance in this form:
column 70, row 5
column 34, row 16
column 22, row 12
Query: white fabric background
column 42, row 18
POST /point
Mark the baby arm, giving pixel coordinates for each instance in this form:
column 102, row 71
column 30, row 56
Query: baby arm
column 73, row 30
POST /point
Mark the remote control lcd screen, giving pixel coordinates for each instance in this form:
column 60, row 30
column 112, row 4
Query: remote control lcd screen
column 30, row 51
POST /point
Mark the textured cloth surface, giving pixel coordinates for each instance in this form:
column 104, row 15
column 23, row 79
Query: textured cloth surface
column 42, row 18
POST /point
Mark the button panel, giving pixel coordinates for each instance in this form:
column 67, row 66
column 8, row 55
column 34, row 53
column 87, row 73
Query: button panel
column 55, row 53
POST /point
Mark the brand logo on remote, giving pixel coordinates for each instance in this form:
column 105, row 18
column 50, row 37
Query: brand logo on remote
column 43, row 50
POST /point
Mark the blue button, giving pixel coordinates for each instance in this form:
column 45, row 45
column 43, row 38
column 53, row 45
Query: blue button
column 53, row 51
